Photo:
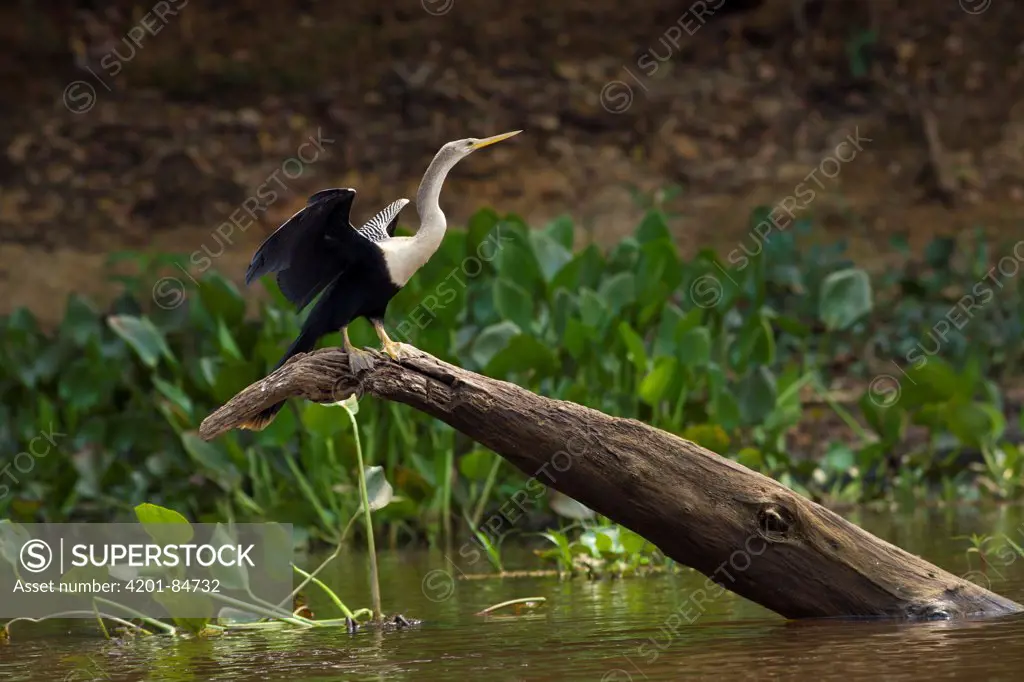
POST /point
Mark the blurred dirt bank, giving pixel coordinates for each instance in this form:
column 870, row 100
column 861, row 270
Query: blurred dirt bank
column 132, row 130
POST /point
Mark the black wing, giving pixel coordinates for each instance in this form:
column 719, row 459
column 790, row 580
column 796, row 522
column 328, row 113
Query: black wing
column 311, row 248
column 382, row 226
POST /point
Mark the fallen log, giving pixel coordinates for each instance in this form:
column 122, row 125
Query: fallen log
column 743, row 530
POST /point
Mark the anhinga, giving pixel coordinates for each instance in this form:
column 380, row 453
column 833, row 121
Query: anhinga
column 359, row 271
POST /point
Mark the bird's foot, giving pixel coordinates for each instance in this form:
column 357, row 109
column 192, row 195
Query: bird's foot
column 398, row 350
column 360, row 360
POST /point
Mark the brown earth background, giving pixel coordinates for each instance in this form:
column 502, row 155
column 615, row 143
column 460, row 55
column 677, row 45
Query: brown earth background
column 112, row 144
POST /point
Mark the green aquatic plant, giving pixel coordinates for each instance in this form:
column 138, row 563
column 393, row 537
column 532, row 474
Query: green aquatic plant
column 737, row 352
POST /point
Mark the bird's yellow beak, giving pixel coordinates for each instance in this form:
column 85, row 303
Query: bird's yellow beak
column 487, row 141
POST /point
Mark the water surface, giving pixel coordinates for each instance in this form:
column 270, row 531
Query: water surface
column 612, row 630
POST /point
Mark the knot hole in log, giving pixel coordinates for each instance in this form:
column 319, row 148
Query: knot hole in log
column 774, row 522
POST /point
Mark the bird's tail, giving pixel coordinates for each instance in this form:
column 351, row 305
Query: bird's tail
column 303, row 344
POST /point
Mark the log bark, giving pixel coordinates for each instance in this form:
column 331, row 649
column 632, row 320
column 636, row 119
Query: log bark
column 743, row 530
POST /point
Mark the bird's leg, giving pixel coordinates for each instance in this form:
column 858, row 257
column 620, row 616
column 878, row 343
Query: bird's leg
column 395, row 349
column 358, row 360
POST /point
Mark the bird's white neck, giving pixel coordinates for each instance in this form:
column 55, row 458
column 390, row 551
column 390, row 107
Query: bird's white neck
column 406, row 255
column 428, row 203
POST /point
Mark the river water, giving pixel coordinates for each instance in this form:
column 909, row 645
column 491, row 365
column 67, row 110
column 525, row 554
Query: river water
column 628, row 630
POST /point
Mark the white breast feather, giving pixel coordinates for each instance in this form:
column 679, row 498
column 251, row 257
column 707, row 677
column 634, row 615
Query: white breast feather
column 403, row 257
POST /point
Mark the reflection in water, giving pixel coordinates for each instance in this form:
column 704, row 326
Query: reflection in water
column 613, row 630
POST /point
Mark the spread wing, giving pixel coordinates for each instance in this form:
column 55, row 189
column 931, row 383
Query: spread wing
column 382, row 226
column 311, row 248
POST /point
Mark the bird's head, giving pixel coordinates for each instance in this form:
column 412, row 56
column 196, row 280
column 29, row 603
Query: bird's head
column 459, row 149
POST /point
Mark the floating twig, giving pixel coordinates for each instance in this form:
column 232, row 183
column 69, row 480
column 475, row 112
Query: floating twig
column 531, row 602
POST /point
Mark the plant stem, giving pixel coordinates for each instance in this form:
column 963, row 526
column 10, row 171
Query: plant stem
column 365, row 497
column 328, row 591
column 842, row 413
column 308, row 576
column 265, row 612
column 169, row 629
column 307, row 490
column 488, row 484
column 61, row 614
column 446, row 493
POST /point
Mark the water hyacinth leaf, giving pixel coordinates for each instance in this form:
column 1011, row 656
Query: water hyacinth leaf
column 568, row 508
column 281, row 431
column 756, row 395
column 493, row 553
column 232, row 574
column 480, row 226
column 82, row 385
column 694, row 347
column 513, row 303
column 593, row 311
column 792, row 326
column 664, row 340
column 763, row 349
column 975, row 424
column 492, row 340
column 524, row 354
column 476, row 465
column 118, row 572
column 624, row 256
column 351, row 404
column 607, row 541
column 654, row 387
column 756, row 344
column 933, row 381
column 634, row 347
column 89, row 572
column 653, row 228
column 81, row 322
column 12, row 537
column 512, row 227
column 726, row 410
column 691, row 320
column 165, row 526
column 561, row 543
column 602, row 542
column 561, row 230
column 378, row 491
column 584, row 270
column 232, row 376
column 182, row 607
column 839, row 459
column 323, row 421
column 175, row 395
column 516, row 263
column 618, row 291
column 212, row 459
column 226, row 341
column 845, row 298
column 222, row 299
column 631, row 542
column 277, row 538
column 145, row 339
column 566, row 305
column 882, row 412
column 659, row 272
column 575, row 338
column 939, row 252
column 710, row 436
column 752, row 458
column 550, row 255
